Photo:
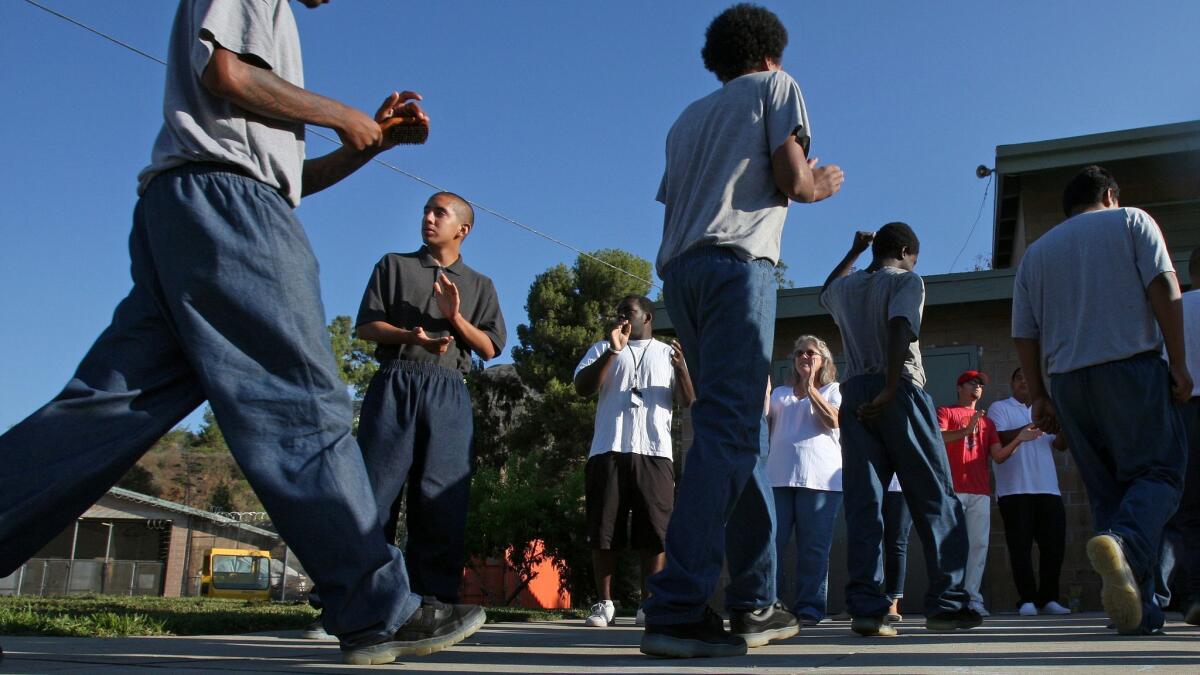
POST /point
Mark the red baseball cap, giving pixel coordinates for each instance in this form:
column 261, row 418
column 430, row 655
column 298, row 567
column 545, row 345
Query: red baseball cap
column 972, row 375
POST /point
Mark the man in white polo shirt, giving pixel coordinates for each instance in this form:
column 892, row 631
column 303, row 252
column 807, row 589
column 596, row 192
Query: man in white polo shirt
column 1030, row 503
column 630, row 476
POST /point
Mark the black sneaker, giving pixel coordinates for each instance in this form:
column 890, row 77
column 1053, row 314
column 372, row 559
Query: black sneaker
column 432, row 628
column 762, row 625
column 706, row 637
column 948, row 622
column 873, row 626
column 316, row 630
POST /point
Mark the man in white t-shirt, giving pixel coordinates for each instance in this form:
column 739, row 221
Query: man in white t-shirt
column 630, row 476
column 1030, row 503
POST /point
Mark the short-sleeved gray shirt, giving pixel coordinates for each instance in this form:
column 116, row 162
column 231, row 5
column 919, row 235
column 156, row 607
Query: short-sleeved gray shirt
column 862, row 303
column 1081, row 289
column 200, row 127
column 400, row 292
column 719, row 186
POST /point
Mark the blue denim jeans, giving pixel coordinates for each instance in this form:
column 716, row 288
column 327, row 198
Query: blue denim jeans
column 723, row 309
column 1127, row 437
column 811, row 514
column 1180, row 551
column 905, row 441
column 225, row 306
column 897, row 525
column 415, row 431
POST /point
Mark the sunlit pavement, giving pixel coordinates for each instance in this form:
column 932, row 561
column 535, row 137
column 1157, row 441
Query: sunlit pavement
column 1003, row 644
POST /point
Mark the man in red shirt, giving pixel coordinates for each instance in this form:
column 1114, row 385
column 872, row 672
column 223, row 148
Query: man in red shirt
column 970, row 439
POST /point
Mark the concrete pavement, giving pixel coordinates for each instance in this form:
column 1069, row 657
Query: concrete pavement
column 1003, row 644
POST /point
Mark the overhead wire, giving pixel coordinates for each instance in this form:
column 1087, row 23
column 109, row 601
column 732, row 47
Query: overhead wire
column 376, row 160
column 976, row 223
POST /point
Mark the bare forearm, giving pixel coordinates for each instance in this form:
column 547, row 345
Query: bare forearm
column 588, row 381
column 479, row 341
column 1167, row 305
column 843, row 268
column 826, row 412
column 1007, row 436
column 952, row 435
column 325, row 171
column 792, row 174
column 384, row 333
column 900, row 336
column 1001, row 453
column 685, row 394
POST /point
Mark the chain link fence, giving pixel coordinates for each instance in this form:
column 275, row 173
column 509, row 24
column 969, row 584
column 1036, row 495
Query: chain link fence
column 50, row 576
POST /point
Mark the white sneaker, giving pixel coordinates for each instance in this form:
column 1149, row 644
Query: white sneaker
column 1027, row 609
column 1053, row 607
column 602, row 614
column 640, row 619
column 979, row 608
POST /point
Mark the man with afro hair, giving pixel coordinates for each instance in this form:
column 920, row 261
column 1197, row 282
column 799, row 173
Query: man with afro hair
column 734, row 159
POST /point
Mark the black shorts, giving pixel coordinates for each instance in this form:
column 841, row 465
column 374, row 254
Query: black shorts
column 629, row 498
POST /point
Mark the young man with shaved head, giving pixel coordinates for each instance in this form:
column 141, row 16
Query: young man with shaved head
column 428, row 313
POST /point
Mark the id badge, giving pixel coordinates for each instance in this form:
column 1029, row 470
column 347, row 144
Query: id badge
column 635, row 397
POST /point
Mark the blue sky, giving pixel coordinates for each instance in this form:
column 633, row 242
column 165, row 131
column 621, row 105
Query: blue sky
column 554, row 113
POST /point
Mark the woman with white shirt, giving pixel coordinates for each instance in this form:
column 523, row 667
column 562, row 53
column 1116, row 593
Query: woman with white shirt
column 805, row 470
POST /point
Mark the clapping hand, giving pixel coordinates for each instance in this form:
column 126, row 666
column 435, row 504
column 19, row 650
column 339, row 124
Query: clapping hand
column 446, row 294
column 677, row 360
column 432, row 345
column 1029, row 433
column 618, row 337
column 974, row 423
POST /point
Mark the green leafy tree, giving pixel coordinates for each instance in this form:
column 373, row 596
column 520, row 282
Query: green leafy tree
column 210, row 438
column 355, row 356
column 781, row 278
column 498, row 398
column 139, row 479
column 221, row 499
column 567, row 309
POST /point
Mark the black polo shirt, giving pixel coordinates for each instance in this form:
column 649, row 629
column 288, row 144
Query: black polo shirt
column 400, row 292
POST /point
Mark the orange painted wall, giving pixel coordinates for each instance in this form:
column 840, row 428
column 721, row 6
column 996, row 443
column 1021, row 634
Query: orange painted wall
column 489, row 582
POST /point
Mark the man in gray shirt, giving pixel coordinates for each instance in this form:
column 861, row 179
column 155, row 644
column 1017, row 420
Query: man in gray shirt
column 226, row 306
column 1094, row 302
column 734, row 159
column 889, row 427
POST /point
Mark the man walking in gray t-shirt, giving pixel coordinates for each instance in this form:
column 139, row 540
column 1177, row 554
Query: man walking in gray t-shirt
column 1095, row 301
column 226, row 306
column 734, row 159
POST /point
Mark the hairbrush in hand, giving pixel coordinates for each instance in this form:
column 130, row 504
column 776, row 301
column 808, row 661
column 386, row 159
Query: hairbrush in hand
column 403, row 130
